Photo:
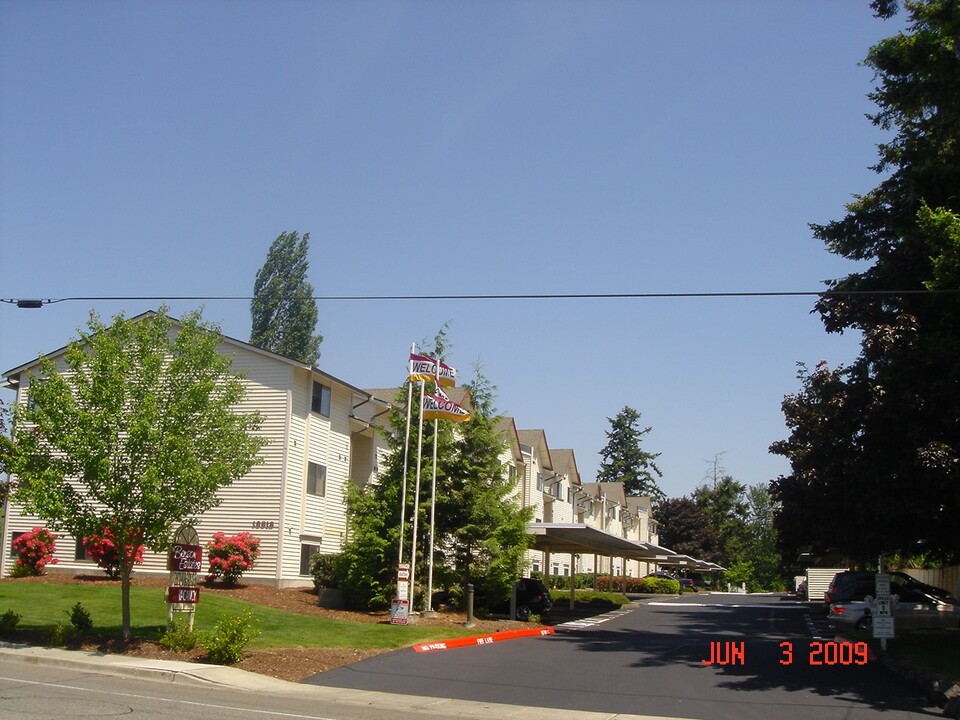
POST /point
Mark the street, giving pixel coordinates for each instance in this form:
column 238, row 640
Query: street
column 712, row 657
column 651, row 661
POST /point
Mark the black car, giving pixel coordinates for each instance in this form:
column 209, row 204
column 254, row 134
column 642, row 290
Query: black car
column 533, row 598
column 852, row 585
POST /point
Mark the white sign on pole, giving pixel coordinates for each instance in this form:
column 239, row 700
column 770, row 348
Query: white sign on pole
column 883, row 627
column 883, row 585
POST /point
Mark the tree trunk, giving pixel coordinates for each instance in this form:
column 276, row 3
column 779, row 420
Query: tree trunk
column 126, row 569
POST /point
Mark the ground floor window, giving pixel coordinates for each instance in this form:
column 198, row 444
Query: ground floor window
column 13, row 537
column 80, row 551
column 307, row 552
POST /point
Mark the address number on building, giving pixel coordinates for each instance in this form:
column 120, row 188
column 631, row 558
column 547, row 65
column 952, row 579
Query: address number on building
column 183, row 595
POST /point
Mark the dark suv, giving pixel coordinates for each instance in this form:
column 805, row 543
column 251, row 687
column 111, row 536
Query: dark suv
column 533, row 598
column 850, row 585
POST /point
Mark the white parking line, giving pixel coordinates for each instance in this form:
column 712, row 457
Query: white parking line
column 593, row 621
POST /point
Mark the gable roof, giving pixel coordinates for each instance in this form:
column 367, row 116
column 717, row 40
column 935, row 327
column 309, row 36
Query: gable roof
column 537, row 439
column 10, row 375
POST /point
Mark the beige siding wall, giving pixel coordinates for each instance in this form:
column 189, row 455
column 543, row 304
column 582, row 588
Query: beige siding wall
column 251, row 503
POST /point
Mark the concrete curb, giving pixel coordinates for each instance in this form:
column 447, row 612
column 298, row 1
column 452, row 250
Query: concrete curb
column 174, row 671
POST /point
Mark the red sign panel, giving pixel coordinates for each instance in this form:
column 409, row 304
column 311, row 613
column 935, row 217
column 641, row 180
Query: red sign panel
column 186, row 558
column 183, row 595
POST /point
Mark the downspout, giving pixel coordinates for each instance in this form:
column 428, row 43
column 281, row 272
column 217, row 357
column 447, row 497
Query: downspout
column 284, row 464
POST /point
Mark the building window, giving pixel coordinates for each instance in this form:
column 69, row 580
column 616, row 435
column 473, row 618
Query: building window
column 306, row 553
column 321, row 399
column 14, row 536
column 80, row 551
column 540, row 482
column 316, row 480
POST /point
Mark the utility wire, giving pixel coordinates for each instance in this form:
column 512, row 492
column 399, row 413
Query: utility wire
column 37, row 302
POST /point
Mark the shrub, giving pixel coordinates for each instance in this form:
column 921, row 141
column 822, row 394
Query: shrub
column 8, row 622
column 226, row 642
column 180, row 637
column 664, row 586
column 62, row 635
column 230, row 557
column 324, row 571
column 34, row 552
column 103, row 549
column 80, row 619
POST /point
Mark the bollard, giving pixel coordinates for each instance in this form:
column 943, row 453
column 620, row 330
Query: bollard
column 469, row 623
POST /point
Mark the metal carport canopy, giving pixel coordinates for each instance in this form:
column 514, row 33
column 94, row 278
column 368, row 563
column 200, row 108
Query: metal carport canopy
column 577, row 538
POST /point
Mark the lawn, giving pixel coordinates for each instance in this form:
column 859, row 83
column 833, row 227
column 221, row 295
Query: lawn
column 936, row 651
column 42, row 606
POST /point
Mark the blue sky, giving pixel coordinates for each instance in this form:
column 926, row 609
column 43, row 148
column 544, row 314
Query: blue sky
column 455, row 148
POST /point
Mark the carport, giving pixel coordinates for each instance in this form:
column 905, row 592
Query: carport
column 575, row 538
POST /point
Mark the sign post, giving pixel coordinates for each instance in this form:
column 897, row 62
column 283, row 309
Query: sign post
column 184, row 561
column 883, row 626
column 400, row 607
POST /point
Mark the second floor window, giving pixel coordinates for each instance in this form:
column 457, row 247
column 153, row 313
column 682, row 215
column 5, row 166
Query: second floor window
column 321, row 399
column 316, row 480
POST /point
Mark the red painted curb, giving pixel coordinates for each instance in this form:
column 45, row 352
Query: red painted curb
column 482, row 639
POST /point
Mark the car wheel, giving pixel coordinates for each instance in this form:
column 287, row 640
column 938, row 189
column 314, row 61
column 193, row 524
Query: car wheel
column 523, row 612
column 865, row 623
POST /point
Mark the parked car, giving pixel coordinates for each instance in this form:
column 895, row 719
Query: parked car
column 533, row 598
column 851, row 585
column 927, row 612
column 852, row 615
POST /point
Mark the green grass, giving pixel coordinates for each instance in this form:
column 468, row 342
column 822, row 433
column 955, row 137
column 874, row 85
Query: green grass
column 936, row 651
column 44, row 605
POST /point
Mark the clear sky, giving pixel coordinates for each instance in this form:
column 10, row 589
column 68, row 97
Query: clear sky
column 454, row 148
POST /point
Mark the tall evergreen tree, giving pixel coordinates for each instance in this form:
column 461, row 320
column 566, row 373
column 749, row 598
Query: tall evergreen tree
column 283, row 311
column 893, row 412
column 624, row 460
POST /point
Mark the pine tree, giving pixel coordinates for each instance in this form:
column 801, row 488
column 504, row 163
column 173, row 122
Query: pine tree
column 283, row 311
column 624, row 460
column 480, row 533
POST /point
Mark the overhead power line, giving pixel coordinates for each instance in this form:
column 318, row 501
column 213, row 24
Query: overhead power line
column 39, row 302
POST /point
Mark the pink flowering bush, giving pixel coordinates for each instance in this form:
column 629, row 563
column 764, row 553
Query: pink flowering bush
column 34, row 552
column 230, row 557
column 103, row 548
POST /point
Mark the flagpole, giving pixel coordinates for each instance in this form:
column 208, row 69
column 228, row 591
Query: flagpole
column 433, row 515
column 416, row 504
column 406, row 455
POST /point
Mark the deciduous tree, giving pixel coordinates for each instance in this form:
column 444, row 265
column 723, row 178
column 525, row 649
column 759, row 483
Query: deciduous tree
column 134, row 434
column 892, row 467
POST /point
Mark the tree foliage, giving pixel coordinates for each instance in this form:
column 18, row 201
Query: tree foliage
column 132, row 433
column 284, row 313
column 727, row 523
column 6, row 449
column 624, row 459
column 684, row 529
column 874, row 446
column 480, row 529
